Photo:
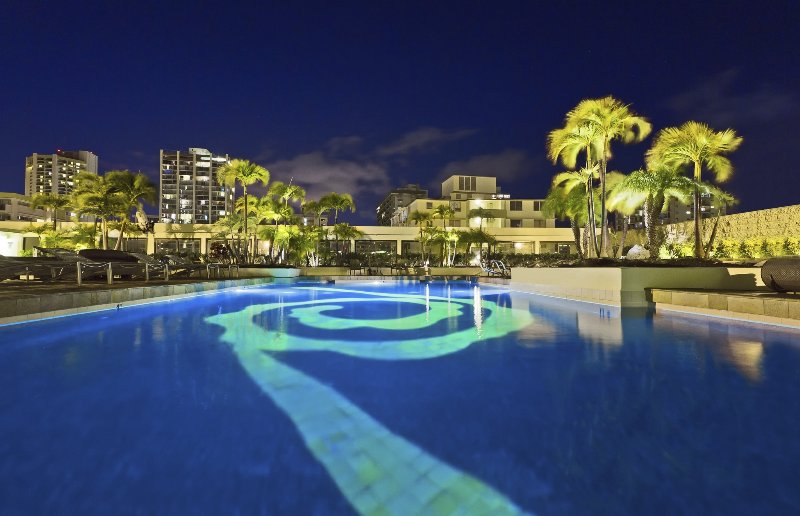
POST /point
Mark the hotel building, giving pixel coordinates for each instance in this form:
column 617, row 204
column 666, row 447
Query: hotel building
column 398, row 198
column 55, row 173
column 189, row 192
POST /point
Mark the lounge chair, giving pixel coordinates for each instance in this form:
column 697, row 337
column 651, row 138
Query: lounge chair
column 28, row 268
column 179, row 263
column 356, row 268
column 782, row 274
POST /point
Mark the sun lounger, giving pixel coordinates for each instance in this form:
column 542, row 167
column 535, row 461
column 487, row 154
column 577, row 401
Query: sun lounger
column 782, row 274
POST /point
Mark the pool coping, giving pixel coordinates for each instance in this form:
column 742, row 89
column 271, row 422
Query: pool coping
column 25, row 309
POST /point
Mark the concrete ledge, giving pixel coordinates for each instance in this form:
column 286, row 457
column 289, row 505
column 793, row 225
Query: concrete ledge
column 626, row 286
column 778, row 308
column 71, row 303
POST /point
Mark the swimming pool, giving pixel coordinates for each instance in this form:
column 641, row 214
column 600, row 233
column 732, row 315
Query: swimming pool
column 406, row 397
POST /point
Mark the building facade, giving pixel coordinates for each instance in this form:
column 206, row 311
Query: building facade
column 397, row 199
column 466, row 193
column 188, row 190
column 55, row 173
column 16, row 207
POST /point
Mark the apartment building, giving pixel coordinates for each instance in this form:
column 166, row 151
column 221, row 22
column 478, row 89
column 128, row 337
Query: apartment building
column 398, row 198
column 188, row 191
column 55, row 173
column 466, row 193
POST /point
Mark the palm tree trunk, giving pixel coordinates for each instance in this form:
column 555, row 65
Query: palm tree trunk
column 118, row 244
column 604, row 237
column 246, row 234
column 625, row 222
column 591, row 223
column 576, row 234
column 104, row 230
column 710, row 244
column 698, row 243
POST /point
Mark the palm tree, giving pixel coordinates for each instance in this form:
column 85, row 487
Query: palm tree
column 245, row 173
column 566, row 144
column 95, row 195
column 337, row 202
column 287, row 192
column 344, row 231
column 423, row 220
column 698, row 145
column 444, row 212
column 582, row 180
column 53, row 203
column 481, row 214
column 569, row 204
column 651, row 190
column 609, row 119
column 134, row 189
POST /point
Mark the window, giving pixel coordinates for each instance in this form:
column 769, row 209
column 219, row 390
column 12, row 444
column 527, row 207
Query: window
column 515, row 205
column 467, row 183
column 428, row 205
column 456, row 206
column 516, row 223
column 539, row 223
column 537, row 205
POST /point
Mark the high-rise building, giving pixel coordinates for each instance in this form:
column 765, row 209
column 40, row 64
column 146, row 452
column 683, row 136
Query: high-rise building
column 398, row 198
column 189, row 192
column 55, row 173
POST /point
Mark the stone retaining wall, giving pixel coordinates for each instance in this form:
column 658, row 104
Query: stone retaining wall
column 69, row 303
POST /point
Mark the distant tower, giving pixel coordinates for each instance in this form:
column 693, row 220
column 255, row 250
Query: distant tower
column 189, row 192
column 55, row 173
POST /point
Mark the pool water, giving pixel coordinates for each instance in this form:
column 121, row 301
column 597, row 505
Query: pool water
column 400, row 398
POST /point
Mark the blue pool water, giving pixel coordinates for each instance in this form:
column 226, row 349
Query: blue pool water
column 406, row 397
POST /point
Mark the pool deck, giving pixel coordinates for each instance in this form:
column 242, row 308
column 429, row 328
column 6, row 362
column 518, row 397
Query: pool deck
column 760, row 306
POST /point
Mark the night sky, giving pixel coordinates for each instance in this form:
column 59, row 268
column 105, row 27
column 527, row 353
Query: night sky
column 363, row 97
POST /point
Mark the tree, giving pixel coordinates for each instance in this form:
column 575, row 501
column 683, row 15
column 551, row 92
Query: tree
column 337, row 202
column 287, row 192
column 570, row 204
column 582, row 180
column 651, row 190
column 344, row 231
column 245, row 173
column 699, row 146
column 423, row 220
column 608, row 119
column 95, row 195
column 481, row 214
column 444, row 212
column 133, row 189
column 52, row 203
column 566, row 144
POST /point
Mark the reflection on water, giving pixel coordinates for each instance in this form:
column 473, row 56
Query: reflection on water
column 745, row 355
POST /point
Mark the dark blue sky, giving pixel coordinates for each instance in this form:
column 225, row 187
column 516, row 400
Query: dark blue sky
column 362, row 97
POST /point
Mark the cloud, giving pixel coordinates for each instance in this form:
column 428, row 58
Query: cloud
column 422, row 139
column 320, row 173
column 508, row 165
column 343, row 143
column 713, row 101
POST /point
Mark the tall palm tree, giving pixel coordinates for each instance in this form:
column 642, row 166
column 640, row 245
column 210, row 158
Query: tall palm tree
column 481, row 214
column 652, row 190
column 695, row 144
column 134, row 189
column 611, row 120
column 563, row 204
column 582, row 180
column 95, row 195
column 444, row 212
column 245, row 173
column 286, row 192
column 338, row 202
column 52, row 203
column 423, row 220
column 566, row 144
